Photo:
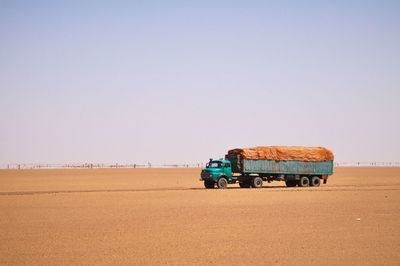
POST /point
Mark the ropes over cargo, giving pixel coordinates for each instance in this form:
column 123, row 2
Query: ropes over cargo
column 284, row 153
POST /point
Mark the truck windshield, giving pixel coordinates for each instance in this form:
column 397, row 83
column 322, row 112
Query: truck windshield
column 214, row 165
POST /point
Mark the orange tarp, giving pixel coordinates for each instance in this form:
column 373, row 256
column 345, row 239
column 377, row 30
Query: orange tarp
column 285, row 153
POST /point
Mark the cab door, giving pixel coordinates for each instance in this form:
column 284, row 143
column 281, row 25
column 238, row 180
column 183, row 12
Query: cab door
column 228, row 170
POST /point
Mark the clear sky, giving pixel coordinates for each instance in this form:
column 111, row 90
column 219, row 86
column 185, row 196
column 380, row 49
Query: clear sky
column 183, row 81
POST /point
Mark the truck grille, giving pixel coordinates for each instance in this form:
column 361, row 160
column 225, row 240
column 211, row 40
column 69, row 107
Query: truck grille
column 205, row 175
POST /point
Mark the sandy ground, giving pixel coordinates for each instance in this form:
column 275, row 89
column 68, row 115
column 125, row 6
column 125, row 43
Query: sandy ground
column 164, row 216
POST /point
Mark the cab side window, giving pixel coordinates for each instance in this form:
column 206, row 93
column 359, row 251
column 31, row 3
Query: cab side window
column 227, row 165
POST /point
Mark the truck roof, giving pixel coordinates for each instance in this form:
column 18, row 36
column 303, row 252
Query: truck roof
column 221, row 161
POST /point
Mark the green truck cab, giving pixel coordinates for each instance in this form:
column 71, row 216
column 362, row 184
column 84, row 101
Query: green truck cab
column 217, row 172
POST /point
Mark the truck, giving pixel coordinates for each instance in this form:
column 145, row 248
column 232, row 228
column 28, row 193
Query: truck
column 250, row 167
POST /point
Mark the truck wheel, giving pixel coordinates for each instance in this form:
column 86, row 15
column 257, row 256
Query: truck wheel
column 315, row 181
column 304, row 181
column 244, row 184
column 256, row 182
column 290, row 183
column 222, row 182
column 209, row 184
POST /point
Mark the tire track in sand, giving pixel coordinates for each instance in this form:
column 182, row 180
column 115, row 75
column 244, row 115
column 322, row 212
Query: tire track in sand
column 270, row 189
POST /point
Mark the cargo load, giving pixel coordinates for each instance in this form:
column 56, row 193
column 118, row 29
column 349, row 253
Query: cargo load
column 284, row 153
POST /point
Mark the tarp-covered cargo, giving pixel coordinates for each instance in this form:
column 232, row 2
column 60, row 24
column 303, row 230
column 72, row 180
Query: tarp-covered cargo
column 284, row 153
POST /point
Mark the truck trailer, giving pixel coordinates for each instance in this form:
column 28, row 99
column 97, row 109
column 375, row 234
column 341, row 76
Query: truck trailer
column 250, row 167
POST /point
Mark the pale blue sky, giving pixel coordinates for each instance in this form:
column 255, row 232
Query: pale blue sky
column 183, row 81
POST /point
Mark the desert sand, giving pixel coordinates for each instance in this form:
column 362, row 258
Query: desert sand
column 165, row 216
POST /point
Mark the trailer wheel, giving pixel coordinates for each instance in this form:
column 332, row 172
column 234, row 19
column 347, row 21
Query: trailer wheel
column 256, row 182
column 209, row 184
column 244, row 184
column 291, row 183
column 304, row 181
column 315, row 181
column 222, row 182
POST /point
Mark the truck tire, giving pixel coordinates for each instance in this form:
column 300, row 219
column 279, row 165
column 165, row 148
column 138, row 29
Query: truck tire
column 257, row 182
column 244, row 184
column 315, row 181
column 222, row 182
column 291, row 183
column 304, row 181
column 209, row 184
